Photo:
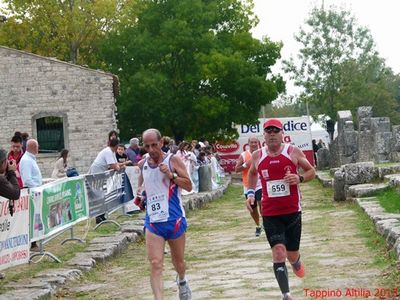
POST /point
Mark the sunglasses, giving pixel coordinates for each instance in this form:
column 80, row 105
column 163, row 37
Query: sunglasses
column 272, row 129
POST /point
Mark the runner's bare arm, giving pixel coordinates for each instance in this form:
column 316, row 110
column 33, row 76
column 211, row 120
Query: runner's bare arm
column 300, row 159
column 239, row 164
column 309, row 171
column 140, row 178
column 183, row 179
column 253, row 175
column 252, row 179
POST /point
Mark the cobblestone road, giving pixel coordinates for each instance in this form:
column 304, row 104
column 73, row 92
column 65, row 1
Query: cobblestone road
column 226, row 261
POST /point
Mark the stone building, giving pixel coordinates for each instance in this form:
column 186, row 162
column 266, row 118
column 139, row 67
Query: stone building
column 62, row 105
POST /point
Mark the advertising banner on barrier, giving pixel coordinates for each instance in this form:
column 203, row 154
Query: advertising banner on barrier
column 56, row 206
column 133, row 173
column 14, row 232
column 107, row 191
column 297, row 131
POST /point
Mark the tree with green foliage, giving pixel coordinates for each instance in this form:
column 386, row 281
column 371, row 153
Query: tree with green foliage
column 370, row 84
column 69, row 30
column 191, row 68
column 339, row 67
column 287, row 109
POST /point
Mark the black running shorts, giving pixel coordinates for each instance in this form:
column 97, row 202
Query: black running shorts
column 284, row 229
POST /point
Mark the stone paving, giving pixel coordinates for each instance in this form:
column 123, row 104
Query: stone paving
column 226, row 261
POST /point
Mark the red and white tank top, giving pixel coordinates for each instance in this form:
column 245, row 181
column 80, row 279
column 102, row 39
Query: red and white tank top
column 279, row 198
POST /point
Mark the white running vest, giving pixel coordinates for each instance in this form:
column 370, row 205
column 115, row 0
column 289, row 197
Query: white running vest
column 163, row 196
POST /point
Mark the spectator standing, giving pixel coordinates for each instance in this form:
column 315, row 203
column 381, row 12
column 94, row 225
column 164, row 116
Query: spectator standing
column 29, row 169
column 9, row 187
column 30, row 172
column 121, row 156
column 173, row 148
column 133, row 151
column 182, row 150
column 105, row 160
column 61, row 165
column 112, row 135
column 196, row 149
column 185, row 155
column 315, row 150
column 15, row 155
column 25, row 137
column 321, row 144
column 202, row 158
column 194, row 168
column 165, row 143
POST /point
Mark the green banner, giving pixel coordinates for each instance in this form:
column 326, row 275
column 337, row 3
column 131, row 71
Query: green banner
column 56, row 206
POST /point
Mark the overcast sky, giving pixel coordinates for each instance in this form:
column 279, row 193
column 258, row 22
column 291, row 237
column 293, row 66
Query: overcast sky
column 281, row 19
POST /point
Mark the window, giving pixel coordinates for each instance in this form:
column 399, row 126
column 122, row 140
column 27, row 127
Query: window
column 50, row 134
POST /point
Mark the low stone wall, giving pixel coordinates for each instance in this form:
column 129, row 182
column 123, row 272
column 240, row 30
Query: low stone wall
column 359, row 182
column 355, row 180
column 100, row 249
column 324, row 178
column 387, row 224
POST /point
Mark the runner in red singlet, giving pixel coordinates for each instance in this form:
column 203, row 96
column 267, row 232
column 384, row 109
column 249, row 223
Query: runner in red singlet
column 277, row 165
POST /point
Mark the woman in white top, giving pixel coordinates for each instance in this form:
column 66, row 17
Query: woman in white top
column 60, row 166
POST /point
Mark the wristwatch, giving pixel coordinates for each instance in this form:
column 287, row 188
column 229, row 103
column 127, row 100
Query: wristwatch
column 301, row 178
column 174, row 175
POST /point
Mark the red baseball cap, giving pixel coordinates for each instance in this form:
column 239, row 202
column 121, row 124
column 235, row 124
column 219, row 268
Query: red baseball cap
column 273, row 123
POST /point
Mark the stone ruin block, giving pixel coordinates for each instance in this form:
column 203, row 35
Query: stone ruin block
column 348, row 126
column 395, row 156
column 350, row 143
column 342, row 117
column 339, row 193
column 364, row 115
column 380, row 124
column 323, row 159
column 358, row 173
column 395, row 146
column 383, row 142
column 365, row 142
column 334, row 152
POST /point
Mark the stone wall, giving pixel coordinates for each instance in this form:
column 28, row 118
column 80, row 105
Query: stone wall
column 374, row 140
column 32, row 86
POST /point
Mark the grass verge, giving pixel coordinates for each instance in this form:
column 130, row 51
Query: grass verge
column 390, row 200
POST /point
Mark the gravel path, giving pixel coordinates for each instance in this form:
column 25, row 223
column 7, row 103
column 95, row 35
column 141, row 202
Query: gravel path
column 226, row 261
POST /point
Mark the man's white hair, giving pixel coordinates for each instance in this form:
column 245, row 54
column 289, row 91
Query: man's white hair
column 134, row 141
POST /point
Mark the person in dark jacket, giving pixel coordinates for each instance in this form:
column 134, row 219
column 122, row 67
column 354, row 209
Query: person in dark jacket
column 315, row 150
column 9, row 187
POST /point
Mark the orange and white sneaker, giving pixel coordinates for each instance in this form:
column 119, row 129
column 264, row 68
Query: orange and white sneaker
column 299, row 271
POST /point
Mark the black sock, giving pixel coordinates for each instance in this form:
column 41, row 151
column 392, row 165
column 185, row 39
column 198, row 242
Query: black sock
column 296, row 265
column 281, row 276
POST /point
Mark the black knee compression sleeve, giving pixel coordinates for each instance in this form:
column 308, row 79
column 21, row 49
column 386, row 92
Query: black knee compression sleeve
column 281, row 276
